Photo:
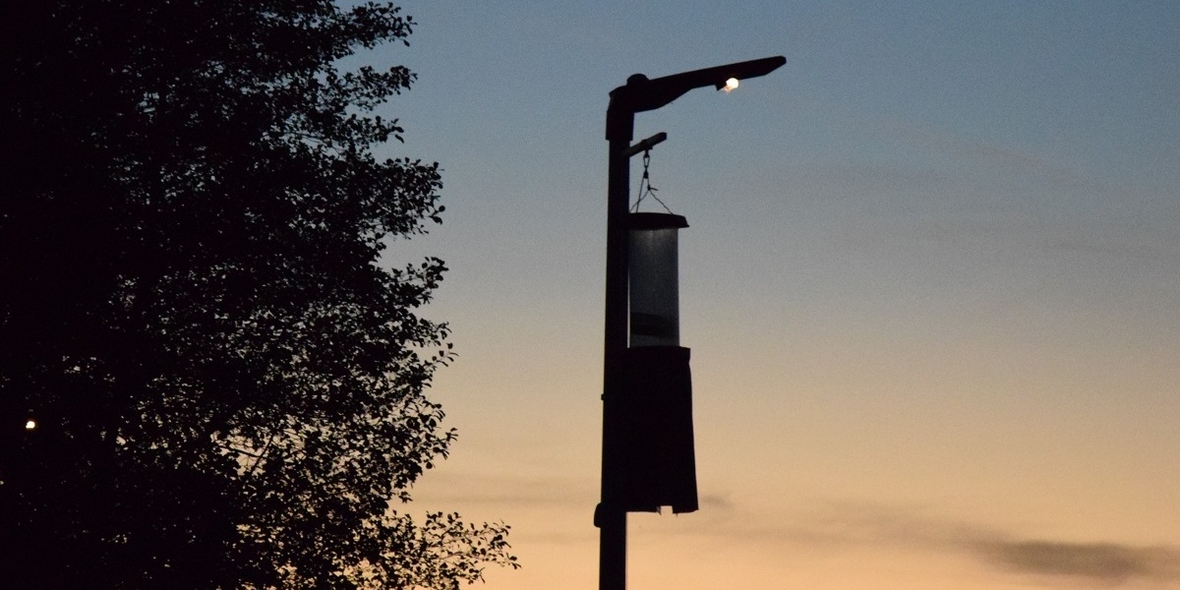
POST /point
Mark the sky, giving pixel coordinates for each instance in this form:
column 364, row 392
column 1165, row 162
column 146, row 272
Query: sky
column 931, row 285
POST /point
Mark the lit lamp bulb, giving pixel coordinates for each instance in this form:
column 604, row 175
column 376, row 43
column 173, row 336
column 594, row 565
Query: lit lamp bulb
column 30, row 424
column 730, row 84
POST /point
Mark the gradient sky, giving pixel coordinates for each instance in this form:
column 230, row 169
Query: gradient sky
column 931, row 286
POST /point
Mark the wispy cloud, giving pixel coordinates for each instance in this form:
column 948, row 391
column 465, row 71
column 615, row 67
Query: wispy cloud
column 719, row 502
column 1105, row 562
column 977, row 151
column 1059, row 563
column 465, row 488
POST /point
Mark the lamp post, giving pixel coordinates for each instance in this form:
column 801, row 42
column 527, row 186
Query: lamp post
column 637, row 95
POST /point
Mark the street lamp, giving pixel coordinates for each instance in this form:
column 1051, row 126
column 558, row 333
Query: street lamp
column 622, row 489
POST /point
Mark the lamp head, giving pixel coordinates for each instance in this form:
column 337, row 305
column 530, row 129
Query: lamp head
column 730, row 84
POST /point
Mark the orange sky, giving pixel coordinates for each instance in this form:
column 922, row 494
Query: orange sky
column 931, row 287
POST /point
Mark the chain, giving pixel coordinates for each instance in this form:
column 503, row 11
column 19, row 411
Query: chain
column 645, row 187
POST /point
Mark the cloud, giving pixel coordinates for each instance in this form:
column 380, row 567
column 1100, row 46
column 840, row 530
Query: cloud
column 1106, row 562
column 1103, row 562
column 720, row 502
column 519, row 491
column 1057, row 562
column 971, row 150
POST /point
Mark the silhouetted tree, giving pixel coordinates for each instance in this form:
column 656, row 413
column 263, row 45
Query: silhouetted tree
column 227, row 388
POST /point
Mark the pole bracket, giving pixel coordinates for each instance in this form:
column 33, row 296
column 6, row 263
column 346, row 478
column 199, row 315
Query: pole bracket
column 645, row 144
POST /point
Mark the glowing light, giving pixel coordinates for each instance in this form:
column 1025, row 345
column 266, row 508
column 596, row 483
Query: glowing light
column 30, row 424
column 730, row 84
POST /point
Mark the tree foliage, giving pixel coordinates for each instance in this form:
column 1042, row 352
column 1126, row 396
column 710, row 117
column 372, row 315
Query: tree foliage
column 228, row 389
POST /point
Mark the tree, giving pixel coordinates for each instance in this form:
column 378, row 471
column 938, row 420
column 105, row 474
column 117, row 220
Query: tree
column 227, row 389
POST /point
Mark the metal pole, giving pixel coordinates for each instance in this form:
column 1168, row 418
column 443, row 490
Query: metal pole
column 611, row 516
column 638, row 95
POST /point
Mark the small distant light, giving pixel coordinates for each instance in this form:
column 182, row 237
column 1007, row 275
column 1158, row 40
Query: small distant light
column 30, row 424
column 730, row 84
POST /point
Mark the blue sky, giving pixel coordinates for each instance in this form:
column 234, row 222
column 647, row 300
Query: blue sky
column 931, row 284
